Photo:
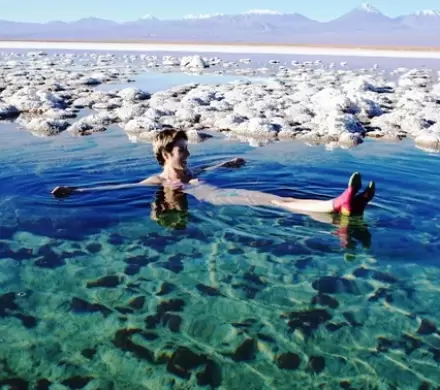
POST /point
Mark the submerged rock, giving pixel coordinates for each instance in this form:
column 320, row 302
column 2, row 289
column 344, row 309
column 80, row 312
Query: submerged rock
column 336, row 285
column 122, row 340
column 183, row 361
column 111, row 281
column 308, row 321
column 246, row 351
column 316, row 364
column 76, row 382
column 79, row 306
column 288, row 361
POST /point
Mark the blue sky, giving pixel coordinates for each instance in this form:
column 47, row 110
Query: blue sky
column 45, row 10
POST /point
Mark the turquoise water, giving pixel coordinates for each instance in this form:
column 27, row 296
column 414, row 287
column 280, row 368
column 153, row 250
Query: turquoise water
column 96, row 294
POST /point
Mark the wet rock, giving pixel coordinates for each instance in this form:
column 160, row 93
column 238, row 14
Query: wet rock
column 424, row 386
column 374, row 274
column 254, row 279
column 351, row 319
column 174, row 264
column 94, row 247
column 235, row 251
column 303, row 263
column 250, row 292
column 336, row 285
column 122, row 340
column 77, row 382
column 43, row 384
column 81, row 306
column 7, row 303
column 246, row 351
column 14, row 384
column 124, row 310
column 171, row 305
column 346, row 385
column 249, row 322
column 210, row 376
column 435, row 354
column 183, row 361
column 28, row 322
column 173, row 322
column 384, row 344
column 135, row 263
column 152, row 321
column 325, row 300
column 20, row 255
column 111, row 281
column 380, row 293
column 308, row 321
column 332, row 327
column 427, row 327
column 288, row 361
column 266, row 338
column 137, row 303
column 166, row 288
column 409, row 344
column 163, row 316
column 208, row 290
column 51, row 260
column 149, row 336
column 316, row 364
column 116, row 239
column 89, row 353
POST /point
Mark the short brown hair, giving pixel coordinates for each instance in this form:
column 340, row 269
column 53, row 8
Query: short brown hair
column 165, row 140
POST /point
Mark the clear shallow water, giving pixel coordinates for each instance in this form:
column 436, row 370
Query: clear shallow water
column 94, row 293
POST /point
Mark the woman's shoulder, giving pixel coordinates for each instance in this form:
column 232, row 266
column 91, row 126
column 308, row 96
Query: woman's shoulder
column 152, row 180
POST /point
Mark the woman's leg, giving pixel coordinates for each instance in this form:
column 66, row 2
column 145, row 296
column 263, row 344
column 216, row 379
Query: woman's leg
column 347, row 203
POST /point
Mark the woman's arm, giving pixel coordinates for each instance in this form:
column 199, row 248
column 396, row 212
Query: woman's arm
column 62, row 191
column 234, row 163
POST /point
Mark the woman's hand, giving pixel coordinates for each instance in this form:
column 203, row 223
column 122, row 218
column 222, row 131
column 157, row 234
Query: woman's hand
column 62, row 192
column 234, row 163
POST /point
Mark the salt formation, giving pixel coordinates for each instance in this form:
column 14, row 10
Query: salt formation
column 308, row 101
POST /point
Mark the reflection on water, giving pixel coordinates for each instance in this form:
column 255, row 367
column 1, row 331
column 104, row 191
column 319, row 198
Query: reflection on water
column 149, row 288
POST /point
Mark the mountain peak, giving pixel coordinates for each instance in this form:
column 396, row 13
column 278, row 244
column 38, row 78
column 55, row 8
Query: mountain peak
column 428, row 12
column 366, row 7
column 148, row 17
column 201, row 16
column 262, row 12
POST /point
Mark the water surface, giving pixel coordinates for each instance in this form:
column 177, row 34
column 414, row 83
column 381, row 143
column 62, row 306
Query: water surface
column 120, row 290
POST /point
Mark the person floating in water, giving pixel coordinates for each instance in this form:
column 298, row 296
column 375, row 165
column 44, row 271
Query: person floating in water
column 171, row 152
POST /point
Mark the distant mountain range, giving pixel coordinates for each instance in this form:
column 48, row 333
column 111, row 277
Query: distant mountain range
column 364, row 25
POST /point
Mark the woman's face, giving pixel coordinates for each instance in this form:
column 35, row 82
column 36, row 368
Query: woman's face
column 178, row 156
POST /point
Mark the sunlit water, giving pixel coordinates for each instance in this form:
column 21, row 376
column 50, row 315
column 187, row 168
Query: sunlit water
column 130, row 289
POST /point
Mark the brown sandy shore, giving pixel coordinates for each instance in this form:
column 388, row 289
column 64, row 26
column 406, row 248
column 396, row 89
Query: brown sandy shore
column 235, row 44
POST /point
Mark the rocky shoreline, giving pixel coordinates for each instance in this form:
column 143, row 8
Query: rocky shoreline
column 315, row 103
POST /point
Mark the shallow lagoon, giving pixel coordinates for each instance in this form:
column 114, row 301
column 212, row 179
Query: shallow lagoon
column 95, row 294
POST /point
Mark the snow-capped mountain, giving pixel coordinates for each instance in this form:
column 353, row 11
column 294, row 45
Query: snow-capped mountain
column 422, row 20
column 262, row 12
column 362, row 25
column 366, row 7
column 364, row 18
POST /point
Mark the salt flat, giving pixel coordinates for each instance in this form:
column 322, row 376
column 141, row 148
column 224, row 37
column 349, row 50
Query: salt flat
column 223, row 48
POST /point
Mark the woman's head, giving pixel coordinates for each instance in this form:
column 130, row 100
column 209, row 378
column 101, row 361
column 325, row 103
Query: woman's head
column 170, row 147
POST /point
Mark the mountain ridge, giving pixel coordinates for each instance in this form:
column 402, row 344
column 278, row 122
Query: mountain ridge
column 364, row 24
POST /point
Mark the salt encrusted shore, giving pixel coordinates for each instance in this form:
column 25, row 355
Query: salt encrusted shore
column 308, row 101
column 145, row 46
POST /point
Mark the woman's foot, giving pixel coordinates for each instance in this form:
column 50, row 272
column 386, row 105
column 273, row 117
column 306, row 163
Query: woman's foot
column 361, row 201
column 343, row 204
